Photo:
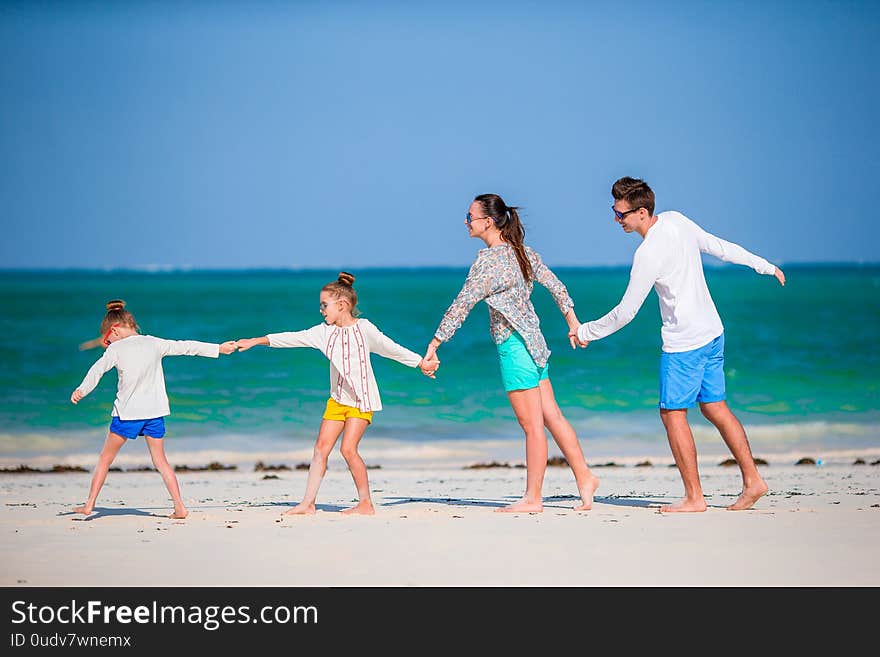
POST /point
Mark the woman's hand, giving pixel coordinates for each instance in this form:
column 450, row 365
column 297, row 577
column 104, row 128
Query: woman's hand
column 430, row 362
column 429, row 366
column 576, row 341
column 573, row 326
column 76, row 395
column 228, row 347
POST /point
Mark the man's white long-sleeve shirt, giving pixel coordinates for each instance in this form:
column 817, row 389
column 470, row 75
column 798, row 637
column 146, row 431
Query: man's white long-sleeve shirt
column 668, row 259
column 348, row 349
column 140, row 393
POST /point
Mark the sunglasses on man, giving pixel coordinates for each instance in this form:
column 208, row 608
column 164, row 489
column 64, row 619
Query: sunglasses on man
column 621, row 215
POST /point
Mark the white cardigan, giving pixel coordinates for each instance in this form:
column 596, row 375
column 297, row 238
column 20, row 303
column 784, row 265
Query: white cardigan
column 140, row 392
column 348, row 349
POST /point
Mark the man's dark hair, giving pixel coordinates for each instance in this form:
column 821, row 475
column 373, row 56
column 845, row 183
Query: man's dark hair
column 635, row 192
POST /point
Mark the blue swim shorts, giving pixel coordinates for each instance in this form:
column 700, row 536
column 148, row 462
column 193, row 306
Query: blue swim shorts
column 688, row 377
column 518, row 369
column 131, row 429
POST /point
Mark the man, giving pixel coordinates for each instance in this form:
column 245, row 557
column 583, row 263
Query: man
column 692, row 361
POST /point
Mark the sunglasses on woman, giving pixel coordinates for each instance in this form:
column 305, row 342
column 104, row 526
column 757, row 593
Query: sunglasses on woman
column 470, row 218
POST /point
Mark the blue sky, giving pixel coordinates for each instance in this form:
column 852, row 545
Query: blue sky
column 355, row 134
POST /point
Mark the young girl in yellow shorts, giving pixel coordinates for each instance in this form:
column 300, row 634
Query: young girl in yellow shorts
column 347, row 341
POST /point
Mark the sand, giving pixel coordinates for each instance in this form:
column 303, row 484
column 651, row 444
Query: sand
column 818, row 526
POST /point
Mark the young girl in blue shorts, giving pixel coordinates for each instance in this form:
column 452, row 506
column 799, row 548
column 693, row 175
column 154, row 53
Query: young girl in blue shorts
column 141, row 400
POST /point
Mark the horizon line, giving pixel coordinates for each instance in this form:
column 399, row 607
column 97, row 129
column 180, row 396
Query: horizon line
column 165, row 268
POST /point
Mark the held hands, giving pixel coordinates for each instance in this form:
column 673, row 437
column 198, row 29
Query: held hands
column 430, row 362
column 576, row 341
column 573, row 325
column 76, row 396
column 429, row 366
column 228, row 347
column 244, row 344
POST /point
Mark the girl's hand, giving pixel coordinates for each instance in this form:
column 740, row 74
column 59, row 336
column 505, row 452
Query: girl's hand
column 228, row 347
column 76, row 396
column 779, row 276
column 246, row 343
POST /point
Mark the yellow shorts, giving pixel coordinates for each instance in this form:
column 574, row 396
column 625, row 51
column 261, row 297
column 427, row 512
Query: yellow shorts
column 341, row 412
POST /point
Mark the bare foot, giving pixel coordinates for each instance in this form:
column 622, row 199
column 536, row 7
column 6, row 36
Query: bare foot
column 685, row 506
column 362, row 508
column 301, row 510
column 749, row 496
column 587, row 494
column 84, row 509
column 179, row 514
column 522, row 506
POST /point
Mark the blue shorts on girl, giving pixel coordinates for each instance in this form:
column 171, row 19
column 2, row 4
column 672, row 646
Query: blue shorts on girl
column 688, row 377
column 131, row 429
column 518, row 369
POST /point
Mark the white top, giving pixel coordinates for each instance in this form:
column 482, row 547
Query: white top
column 668, row 259
column 140, row 393
column 348, row 349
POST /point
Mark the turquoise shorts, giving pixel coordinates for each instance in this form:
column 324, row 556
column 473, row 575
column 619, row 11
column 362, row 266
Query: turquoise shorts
column 518, row 369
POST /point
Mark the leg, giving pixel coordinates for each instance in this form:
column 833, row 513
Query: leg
column 754, row 487
column 681, row 441
column 157, row 453
column 527, row 407
column 564, row 435
column 327, row 436
column 351, row 438
column 111, row 448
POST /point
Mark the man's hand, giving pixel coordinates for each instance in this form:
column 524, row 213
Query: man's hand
column 576, row 341
column 779, row 276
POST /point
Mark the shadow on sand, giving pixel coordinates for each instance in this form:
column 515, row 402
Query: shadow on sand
column 330, row 508
column 100, row 512
column 551, row 502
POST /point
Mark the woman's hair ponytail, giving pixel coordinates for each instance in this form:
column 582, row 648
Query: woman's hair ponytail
column 507, row 220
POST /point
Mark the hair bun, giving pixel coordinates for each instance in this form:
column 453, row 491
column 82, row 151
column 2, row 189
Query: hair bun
column 345, row 278
column 115, row 304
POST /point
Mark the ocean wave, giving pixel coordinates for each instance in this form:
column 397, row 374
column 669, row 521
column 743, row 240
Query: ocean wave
column 831, row 442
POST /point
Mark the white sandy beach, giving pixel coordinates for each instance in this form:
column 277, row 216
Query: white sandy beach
column 818, row 526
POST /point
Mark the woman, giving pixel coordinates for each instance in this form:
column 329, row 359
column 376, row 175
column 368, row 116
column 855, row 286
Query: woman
column 503, row 276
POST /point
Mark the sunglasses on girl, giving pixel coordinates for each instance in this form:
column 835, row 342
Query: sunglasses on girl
column 106, row 339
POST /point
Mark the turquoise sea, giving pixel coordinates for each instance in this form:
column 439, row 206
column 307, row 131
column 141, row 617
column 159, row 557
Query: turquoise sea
column 802, row 366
